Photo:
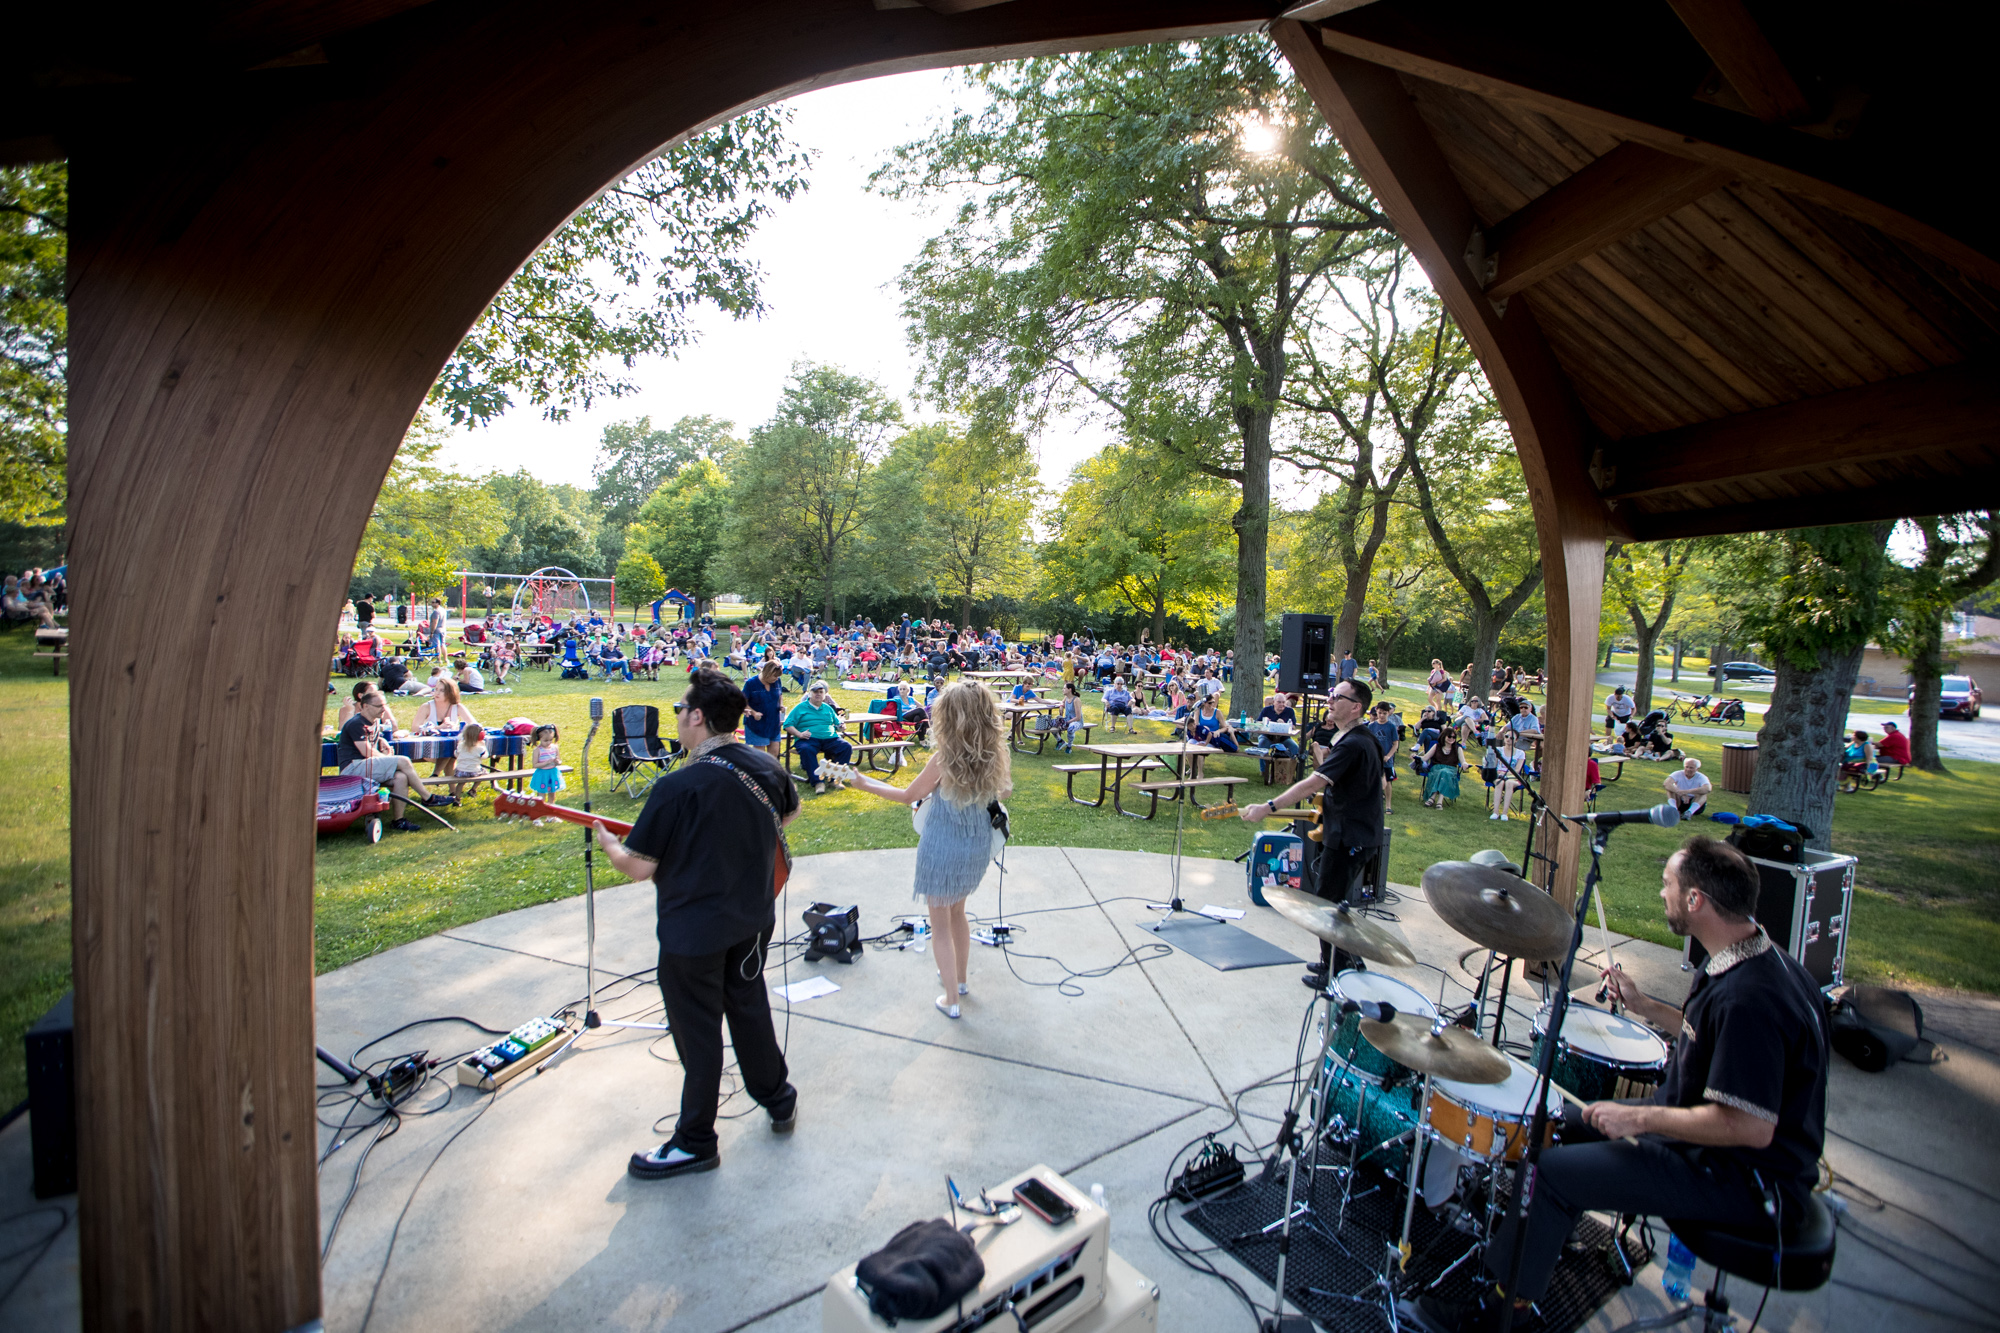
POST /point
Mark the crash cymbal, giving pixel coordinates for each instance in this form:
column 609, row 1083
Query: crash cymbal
column 1455, row 1053
column 1343, row 929
column 1499, row 910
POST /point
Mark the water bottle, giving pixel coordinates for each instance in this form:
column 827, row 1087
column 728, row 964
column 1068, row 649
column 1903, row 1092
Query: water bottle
column 1097, row 1197
column 1679, row 1277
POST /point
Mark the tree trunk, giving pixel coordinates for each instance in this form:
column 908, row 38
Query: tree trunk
column 1798, row 750
column 1718, row 653
column 1486, row 627
column 1609, row 644
column 1679, row 647
column 1926, row 674
column 1160, row 614
column 1252, row 522
column 1642, row 687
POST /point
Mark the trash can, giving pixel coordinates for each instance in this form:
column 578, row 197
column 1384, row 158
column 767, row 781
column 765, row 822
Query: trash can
column 1739, row 766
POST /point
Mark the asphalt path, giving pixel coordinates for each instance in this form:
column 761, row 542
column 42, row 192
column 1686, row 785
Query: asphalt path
column 1956, row 739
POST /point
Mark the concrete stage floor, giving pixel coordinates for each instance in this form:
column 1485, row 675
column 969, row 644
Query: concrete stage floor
column 529, row 1221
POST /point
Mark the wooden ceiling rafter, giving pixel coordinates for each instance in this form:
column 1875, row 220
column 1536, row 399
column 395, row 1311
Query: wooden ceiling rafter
column 1459, row 45
column 1745, row 57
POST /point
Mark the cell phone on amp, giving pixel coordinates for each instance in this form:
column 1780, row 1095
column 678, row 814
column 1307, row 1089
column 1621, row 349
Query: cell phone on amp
column 1044, row 1202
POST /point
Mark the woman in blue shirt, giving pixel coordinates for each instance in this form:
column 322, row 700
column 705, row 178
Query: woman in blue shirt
column 765, row 714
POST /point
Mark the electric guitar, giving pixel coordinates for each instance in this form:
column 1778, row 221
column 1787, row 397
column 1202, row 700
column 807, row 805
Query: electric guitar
column 529, row 807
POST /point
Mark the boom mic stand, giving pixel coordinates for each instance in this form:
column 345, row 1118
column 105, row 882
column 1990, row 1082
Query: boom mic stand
column 590, row 1018
column 1521, row 1197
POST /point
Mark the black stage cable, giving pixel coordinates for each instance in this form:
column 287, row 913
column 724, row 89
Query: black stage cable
column 385, row 1127
column 1897, row 1259
column 397, row 1231
column 1875, row 1203
column 355, row 1059
column 1161, row 1222
column 40, row 1246
column 1898, row 1300
column 1869, row 1147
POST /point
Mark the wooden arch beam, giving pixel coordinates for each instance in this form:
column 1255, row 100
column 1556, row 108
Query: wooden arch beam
column 258, row 303
column 1630, row 86
column 1387, row 141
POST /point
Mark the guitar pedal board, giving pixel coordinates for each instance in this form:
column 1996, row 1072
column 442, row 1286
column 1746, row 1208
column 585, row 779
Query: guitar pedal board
column 515, row 1054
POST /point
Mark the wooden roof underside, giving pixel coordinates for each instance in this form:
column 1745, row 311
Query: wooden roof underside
column 1749, row 354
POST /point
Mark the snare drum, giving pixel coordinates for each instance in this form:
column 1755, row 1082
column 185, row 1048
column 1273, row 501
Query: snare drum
column 1488, row 1120
column 1349, row 1046
column 1602, row 1055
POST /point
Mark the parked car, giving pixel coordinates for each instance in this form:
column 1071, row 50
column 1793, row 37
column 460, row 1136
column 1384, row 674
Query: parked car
column 1958, row 696
column 1729, row 671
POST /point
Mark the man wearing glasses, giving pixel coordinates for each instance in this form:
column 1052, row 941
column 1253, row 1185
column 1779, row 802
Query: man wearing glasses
column 1351, row 816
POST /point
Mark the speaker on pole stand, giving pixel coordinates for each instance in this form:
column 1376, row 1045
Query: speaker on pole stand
column 1305, row 654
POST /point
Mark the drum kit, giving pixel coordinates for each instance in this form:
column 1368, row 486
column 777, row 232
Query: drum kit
column 1428, row 1096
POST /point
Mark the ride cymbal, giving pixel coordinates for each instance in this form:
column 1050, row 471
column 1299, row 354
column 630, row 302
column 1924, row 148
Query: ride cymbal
column 1455, row 1053
column 1343, row 929
column 1498, row 910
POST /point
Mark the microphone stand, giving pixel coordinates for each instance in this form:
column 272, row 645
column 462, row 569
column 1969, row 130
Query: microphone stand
column 590, row 1018
column 1521, row 1197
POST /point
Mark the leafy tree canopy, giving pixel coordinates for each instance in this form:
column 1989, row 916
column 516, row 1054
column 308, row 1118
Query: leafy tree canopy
column 681, row 527
column 622, row 278
column 634, row 459
column 34, row 342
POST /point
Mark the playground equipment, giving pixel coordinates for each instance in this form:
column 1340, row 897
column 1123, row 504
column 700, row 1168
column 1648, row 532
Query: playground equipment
column 550, row 591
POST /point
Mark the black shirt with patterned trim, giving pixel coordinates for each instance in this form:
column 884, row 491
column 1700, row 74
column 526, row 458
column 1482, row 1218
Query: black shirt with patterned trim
column 717, row 847
column 1753, row 1036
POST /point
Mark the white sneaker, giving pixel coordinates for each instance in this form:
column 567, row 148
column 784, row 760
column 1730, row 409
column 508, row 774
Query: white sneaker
column 948, row 1010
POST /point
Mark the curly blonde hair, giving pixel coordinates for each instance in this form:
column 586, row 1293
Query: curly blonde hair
column 971, row 742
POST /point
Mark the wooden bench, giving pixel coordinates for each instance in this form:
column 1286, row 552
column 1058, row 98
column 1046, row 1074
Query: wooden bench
column 1042, row 735
column 1071, row 770
column 520, row 775
column 60, row 657
column 1185, row 788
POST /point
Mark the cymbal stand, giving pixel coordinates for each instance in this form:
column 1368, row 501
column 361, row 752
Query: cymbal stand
column 1521, row 1197
column 1288, row 1138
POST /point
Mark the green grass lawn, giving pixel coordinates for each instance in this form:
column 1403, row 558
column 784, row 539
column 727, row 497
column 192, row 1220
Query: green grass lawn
column 1928, row 911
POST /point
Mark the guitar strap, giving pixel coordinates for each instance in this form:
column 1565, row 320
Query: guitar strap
column 756, row 789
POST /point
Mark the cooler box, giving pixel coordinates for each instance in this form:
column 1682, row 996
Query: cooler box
column 1275, row 859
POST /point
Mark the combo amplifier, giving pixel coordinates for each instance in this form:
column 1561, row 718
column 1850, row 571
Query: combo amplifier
column 1060, row 1278
column 1805, row 909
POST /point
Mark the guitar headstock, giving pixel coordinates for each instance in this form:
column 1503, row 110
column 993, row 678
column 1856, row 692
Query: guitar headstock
column 1227, row 811
column 523, row 807
column 829, row 771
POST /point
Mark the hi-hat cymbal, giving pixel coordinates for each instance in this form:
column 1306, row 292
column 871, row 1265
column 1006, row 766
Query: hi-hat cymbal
column 1499, row 910
column 1343, row 929
column 1455, row 1053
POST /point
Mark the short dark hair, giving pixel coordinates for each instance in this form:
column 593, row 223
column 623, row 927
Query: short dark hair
column 1723, row 874
column 1362, row 693
column 718, row 698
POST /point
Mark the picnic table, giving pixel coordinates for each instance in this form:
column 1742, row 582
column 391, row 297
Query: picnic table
column 1017, row 715
column 56, row 641
column 868, row 754
column 993, row 678
column 1119, row 760
column 417, row 749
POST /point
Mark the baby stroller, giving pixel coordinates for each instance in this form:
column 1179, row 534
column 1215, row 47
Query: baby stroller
column 1729, row 712
column 342, row 800
column 572, row 665
column 639, row 758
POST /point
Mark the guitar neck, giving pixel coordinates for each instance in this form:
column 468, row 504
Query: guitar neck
column 506, row 803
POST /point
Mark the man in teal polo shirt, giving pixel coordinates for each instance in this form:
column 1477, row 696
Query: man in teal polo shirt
column 815, row 726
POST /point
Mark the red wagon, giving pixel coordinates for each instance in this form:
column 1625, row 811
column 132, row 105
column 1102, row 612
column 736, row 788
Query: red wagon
column 342, row 800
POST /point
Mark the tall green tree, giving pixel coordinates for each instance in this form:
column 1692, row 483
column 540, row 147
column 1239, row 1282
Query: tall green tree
column 634, row 459
column 639, row 580
column 1124, row 533
column 803, row 490
column 1645, row 581
column 1474, row 504
column 427, row 518
column 541, row 525
column 1960, row 559
column 1394, row 372
column 34, row 342
column 982, row 491
column 1147, row 227
column 1816, row 599
column 681, row 528
column 622, row 278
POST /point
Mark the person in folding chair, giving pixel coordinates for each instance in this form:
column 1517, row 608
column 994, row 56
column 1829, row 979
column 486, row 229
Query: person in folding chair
column 639, row 758
column 1733, row 1136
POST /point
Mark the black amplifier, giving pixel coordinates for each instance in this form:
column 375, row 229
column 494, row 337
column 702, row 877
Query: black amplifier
column 51, row 1051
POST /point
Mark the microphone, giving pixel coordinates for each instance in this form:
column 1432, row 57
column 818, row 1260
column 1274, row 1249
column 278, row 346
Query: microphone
column 1666, row 815
column 1381, row 1011
column 597, row 710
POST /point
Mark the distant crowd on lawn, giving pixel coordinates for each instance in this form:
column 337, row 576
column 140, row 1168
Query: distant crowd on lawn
column 32, row 596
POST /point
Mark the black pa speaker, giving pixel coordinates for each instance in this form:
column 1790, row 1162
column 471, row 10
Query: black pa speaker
column 1305, row 654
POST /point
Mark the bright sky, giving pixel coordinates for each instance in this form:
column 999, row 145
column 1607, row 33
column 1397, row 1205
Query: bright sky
column 830, row 260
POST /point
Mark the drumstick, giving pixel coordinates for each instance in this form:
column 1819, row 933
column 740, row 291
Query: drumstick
column 1581, row 1104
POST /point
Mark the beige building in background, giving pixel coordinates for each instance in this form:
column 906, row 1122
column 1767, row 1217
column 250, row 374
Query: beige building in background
column 1971, row 648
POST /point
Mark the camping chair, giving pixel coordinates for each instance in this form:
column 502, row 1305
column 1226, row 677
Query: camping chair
column 639, row 758
column 361, row 659
column 573, row 667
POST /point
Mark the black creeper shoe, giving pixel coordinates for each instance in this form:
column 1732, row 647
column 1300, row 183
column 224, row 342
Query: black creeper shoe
column 670, row 1159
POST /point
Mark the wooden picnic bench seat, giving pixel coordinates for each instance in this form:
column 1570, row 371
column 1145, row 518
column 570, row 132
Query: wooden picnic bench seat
column 1185, row 787
column 1069, row 772
column 60, row 657
column 498, row 775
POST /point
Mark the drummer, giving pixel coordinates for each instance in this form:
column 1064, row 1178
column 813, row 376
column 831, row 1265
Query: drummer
column 1351, row 815
column 1734, row 1134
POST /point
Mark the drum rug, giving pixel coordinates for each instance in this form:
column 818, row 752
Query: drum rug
column 1222, row 946
column 1335, row 1280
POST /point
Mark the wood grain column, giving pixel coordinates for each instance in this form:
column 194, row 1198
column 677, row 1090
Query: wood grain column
column 1375, row 121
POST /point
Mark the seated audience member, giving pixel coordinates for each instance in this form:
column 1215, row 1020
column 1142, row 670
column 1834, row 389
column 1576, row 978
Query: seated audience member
column 1507, row 767
column 1117, row 704
column 1894, row 747
column 1280, row 712
column 1209, row 727
column 1024, row 692
column 1688, row 788
column 17, row 606
column 396, row 679
column 469, row 679
column 814, row 724
column 361, row 752
column 362, row 689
